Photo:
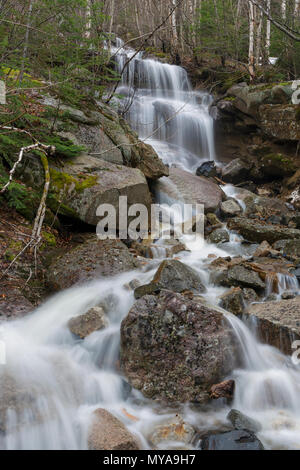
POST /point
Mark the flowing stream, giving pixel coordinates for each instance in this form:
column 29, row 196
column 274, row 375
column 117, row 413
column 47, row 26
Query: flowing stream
column 53, row 381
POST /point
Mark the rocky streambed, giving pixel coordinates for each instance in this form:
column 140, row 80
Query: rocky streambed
column 154, row 343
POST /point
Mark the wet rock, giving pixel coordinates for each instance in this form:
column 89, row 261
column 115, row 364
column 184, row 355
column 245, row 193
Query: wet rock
column 148, row 248
column 264, row 249
column 257, row 232
column 278, row 322
column 250, row 295
column 236, row 171
column 178, row 277
column 191, row 189
column 240, row 421
column 174, row 349
column 219, row 235
column 175, row 276
column 224, row 389
column 231, row 440
column 108, row 433
column 242, row 276
column 233, row 301
column 207, row 169
column 13, row 304
column 93, row 258
column 288, row 295
column 173, row 430
column 288, row 247
column 230, row 208
column 93, row 320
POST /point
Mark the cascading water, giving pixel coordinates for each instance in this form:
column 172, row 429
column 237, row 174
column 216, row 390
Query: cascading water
column 53, row 382
column 165, row 111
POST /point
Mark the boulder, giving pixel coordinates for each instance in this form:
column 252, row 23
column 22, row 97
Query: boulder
column 236, row 171
column 241, row 421
column 207, row 169
column 278, row 322
column 220, row 235
column 108, row 433
column 175, row 276
column 93, row 258
column 280, row 121
column 174, row 349
column 93, row 320
column 288, row 247
column 240, row 275
column 87, row 182
column 230, row 208
column 231, row 440
column 255, row 231
column 233, row 301
column 224, row 389
column 107, row 136
column 173, row 430
column 190, row 189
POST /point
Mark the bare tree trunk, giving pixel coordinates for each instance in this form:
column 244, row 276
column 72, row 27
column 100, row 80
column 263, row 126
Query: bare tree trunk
column 251, row 41
column 283, row 9
column 88, row 21
column 258, row 38
column 268, row 32
column 26, row 41
column 111, row 21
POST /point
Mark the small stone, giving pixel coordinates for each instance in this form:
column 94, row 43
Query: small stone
column 241, row 421
column 219, row 235
column 223, row 390
column 108, row 433
column 230, row 208
column 83, row 325
column 173, row 430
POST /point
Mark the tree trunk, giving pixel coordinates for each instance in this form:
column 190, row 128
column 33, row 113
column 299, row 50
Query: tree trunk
column 268, row 32
column 251, row 41
column 26, row 41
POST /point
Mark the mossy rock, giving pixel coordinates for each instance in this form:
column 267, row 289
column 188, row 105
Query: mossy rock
column 277, row 165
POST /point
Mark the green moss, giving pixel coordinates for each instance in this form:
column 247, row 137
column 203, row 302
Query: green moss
column 280, row 161
column 64, row 182
column 49, row 239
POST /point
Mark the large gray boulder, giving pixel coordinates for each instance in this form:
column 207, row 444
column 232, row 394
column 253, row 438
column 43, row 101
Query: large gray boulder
column 87, row 182
column 93, row 258
column 191, row 189
column 278, row 322
column 174, row 349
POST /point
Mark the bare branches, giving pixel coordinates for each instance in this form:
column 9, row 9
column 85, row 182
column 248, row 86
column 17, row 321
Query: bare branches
column 150, row 35
column 285, row 29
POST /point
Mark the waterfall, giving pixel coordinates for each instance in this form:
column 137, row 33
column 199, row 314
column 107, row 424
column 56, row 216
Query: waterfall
column 165, row 111
column 53, row 382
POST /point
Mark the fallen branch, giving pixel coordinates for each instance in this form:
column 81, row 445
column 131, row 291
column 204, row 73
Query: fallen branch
column 46, row 150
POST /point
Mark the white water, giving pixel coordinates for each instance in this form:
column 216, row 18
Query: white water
column 54, row 381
